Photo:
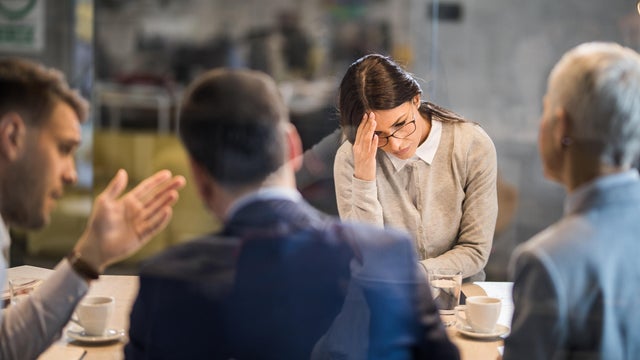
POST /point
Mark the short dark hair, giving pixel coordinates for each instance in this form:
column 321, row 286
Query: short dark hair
column 231, row 122
column 32, row 90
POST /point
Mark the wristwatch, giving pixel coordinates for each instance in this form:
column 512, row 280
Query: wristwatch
column 82, row 267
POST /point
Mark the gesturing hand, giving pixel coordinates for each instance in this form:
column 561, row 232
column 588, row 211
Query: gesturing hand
column 365, row 147
column 120, row 225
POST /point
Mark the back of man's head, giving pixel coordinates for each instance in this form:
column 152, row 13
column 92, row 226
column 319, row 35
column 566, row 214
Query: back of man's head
column 32, row 91
column 598, row 86
column 232, row 123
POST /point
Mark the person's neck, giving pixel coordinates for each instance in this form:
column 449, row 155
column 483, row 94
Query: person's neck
column 584, row 167
column 227, row 197
column 427, row 127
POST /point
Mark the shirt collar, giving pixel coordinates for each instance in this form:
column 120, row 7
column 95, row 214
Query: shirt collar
column 267, row 193
column 5, row 240
column 581, row 194
column 426, row 151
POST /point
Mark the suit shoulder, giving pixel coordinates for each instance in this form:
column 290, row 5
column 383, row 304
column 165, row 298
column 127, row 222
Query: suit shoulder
column 372, row 238
column 198, row 256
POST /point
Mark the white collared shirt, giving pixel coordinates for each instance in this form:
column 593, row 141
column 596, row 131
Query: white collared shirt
column 426, row 151
column 5, row 240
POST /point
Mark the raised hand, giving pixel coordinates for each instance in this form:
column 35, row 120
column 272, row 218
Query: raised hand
column 365, row 147
column 120, row 225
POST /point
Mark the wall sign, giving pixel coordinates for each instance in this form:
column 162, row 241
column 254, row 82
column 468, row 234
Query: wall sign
column 22, row 25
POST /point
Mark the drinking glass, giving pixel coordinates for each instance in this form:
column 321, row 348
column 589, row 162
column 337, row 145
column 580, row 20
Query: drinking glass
column 21, row 287
column 445, row 289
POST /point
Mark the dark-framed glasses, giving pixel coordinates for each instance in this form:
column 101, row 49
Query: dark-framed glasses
column 403, row 132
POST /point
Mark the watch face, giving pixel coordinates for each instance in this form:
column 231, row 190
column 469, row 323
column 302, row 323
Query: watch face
column 82, row 267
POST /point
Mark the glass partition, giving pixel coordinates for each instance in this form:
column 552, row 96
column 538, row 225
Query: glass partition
column 487, row 60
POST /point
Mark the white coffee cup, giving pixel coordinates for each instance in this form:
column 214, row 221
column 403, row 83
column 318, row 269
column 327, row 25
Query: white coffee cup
column 94, row 314
column 481, row 313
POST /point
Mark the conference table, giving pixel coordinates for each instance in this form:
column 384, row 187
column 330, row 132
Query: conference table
column 472, row 348
column 124, row 289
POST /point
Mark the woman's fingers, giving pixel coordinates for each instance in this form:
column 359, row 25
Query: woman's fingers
column 366, row 132
column 365, row 148
column 362, row 129
column 373, row 138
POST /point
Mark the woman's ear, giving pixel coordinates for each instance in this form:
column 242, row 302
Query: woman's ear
column 416, row 100
column 12, row 135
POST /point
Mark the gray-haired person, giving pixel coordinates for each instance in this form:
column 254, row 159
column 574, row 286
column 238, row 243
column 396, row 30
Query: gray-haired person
column 577, row 282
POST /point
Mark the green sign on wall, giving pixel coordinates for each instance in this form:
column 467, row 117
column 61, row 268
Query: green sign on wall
column 22, row 25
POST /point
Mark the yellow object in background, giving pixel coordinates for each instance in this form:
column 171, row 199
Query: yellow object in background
column 141, row 154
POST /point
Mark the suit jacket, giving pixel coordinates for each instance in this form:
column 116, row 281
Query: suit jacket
column 577, row 284
column 273, row 282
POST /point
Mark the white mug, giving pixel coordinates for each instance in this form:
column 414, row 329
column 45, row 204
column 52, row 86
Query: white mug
column 94, row 314
column 481, row 313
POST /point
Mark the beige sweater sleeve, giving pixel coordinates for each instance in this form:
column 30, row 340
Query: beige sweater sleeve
column 453, row 221
column 478, row 163
column 357, row 199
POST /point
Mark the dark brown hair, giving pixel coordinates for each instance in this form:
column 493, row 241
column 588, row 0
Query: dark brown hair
column 32, row 90
column 375, row 82
column 231, row 122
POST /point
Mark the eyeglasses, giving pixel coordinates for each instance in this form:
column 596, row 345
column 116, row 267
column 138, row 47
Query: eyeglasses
column 403, row 132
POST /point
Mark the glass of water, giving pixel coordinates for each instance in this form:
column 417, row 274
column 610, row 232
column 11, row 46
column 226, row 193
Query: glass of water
column 21, row 288
column 445, row 289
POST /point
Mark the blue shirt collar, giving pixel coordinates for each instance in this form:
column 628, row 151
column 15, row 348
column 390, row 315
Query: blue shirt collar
column 5, row 240
column 582, row 193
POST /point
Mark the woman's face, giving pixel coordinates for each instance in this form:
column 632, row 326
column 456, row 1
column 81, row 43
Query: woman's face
column 405, row 124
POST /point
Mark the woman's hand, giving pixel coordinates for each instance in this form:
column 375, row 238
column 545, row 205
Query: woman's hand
column 365, row 148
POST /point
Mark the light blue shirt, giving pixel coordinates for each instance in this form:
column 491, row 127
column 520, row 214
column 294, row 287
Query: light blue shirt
column 29, row 327
column 580, row 194
column 266, row 193
column 576, row 283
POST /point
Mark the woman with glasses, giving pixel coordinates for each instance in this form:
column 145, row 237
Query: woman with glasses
column 412, row 165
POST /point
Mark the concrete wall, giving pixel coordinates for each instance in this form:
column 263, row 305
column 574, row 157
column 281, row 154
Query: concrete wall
column 492, row 66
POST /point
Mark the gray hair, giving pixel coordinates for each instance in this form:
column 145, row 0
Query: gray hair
column 598, row 85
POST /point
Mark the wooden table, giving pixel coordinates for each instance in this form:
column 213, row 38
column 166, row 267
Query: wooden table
column 491, row 348
column 125, row 288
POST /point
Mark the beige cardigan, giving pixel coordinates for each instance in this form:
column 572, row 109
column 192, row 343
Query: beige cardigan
column 454, row 219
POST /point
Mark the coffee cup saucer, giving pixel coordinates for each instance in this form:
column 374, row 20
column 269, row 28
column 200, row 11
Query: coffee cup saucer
column 498, row 331
column 109, row 335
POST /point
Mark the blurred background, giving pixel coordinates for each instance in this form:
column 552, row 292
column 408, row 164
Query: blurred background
column 485, row 59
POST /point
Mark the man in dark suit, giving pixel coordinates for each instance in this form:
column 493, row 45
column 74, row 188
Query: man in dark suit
column 280, row 276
